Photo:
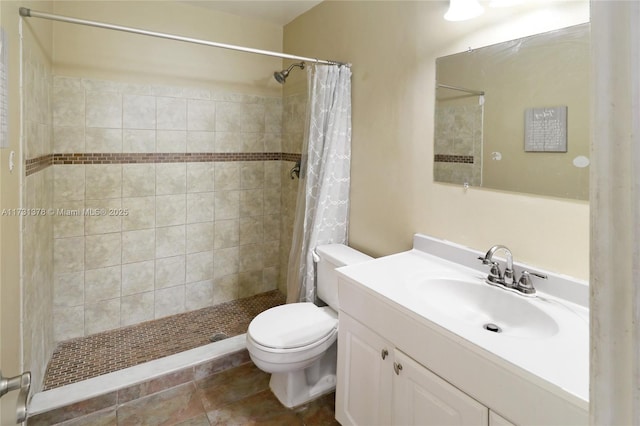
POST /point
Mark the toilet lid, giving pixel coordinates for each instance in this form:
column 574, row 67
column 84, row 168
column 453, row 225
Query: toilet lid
column 293, row 325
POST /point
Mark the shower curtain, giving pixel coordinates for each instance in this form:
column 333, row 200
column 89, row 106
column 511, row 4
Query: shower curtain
column 322, row 209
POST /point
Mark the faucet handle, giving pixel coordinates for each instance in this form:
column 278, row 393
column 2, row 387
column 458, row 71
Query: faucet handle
column 525, row 285
column 495, row 274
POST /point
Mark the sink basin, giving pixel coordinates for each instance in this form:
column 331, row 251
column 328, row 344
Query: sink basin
column 488, row 308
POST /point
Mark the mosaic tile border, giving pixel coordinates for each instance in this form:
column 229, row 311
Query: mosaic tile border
column 445, row 158
column 37, row 164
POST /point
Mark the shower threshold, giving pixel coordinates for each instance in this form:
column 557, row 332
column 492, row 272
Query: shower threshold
column 84, row 358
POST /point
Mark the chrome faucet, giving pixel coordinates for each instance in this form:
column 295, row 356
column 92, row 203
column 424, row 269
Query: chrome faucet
column 505, row 279
column 496, row 276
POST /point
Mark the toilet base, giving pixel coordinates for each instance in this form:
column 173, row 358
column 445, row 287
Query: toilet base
column 296, row 388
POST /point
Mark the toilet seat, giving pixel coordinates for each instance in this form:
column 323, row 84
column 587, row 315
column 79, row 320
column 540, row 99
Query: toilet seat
column 293, row 327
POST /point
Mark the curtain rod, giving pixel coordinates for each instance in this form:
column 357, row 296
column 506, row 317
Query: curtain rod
column 461, row 89
column 28, row 13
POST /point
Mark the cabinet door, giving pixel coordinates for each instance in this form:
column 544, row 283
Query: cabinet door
column 422, row 398
column 496, row 419
column 363, row 391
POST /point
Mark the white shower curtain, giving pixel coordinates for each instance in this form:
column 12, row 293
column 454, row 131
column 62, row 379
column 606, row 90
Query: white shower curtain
column 322, row 209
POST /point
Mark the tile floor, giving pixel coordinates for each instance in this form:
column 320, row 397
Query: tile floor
column 86, row 357
column 236, row 396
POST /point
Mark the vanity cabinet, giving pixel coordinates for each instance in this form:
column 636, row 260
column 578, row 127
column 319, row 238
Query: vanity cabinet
column 365, row 367
column 380, row 385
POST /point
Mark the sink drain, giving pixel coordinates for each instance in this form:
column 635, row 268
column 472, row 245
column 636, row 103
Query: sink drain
column 492, row 327
column 217, row 337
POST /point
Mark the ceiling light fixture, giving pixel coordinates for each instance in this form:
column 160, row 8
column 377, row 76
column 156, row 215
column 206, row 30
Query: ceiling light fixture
column 462, row 10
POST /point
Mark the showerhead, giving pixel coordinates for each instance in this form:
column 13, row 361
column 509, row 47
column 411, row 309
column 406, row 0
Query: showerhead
column 281, row 76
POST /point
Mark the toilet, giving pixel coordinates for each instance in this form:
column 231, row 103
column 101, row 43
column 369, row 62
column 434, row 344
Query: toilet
column 297, row 342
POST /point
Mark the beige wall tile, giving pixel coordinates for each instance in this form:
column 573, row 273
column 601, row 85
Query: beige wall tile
column 225, row 288
column 171, row 113
column 136, row 308
column 270, row 277
column 138, row 180
column 272, row 227
column 102, row 250
column 272, row 201
column 227, row 176
column 250, row 258
column 171, row 210
column 169, row 301
column 103, row 140
column 170, row 241
column 239, row 117
column 251, row 230
column 138, row 277
column 170, row 271
column 68, row 254
column 138, row 140
column 68, row 139
column 273, row 115
column 171, row 141
column 201, row 115
column 171, row 178
column 101, row 316
column 199, row 266
column 200, row 177
column 249, row 283
column 102, row 284
column 139, row 112
column 68, row 323
column 69, row 219
column 272, row 170
column 227, row 205
column 252, row 174
column 138, row 245
column 225, row 261
column 68, row 182
column 233, row 141
column 68, row 106
column 140, row 213
column 68, row 289
column 103, row 109
column 103, row 181
column 226, row 233
column 272, row 142
column 97, row 221
column 200, row 141
column 271, row 253
column 198, row 295
column 251, row 202
column 200, row 207
column 199, row 237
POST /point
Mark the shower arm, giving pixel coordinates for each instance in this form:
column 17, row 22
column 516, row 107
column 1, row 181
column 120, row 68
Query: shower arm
column 28, row 13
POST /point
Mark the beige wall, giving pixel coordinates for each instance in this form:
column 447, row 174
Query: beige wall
column 393, row 47
column 82, row 51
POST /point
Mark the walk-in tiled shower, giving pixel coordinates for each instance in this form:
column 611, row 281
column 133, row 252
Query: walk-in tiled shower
column 155, row 200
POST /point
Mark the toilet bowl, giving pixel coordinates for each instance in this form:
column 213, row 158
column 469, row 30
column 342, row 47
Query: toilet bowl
column 297, row 342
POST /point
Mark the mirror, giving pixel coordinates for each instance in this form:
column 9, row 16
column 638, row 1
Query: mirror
column 514, row 116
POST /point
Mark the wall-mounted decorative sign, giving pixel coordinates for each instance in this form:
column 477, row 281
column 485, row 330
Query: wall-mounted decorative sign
column 545, row 129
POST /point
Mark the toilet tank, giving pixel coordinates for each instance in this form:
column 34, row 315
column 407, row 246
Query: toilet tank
column 332, row 256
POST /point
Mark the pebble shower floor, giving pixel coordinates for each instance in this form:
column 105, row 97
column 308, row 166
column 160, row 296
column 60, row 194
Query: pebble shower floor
column 86, row 357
